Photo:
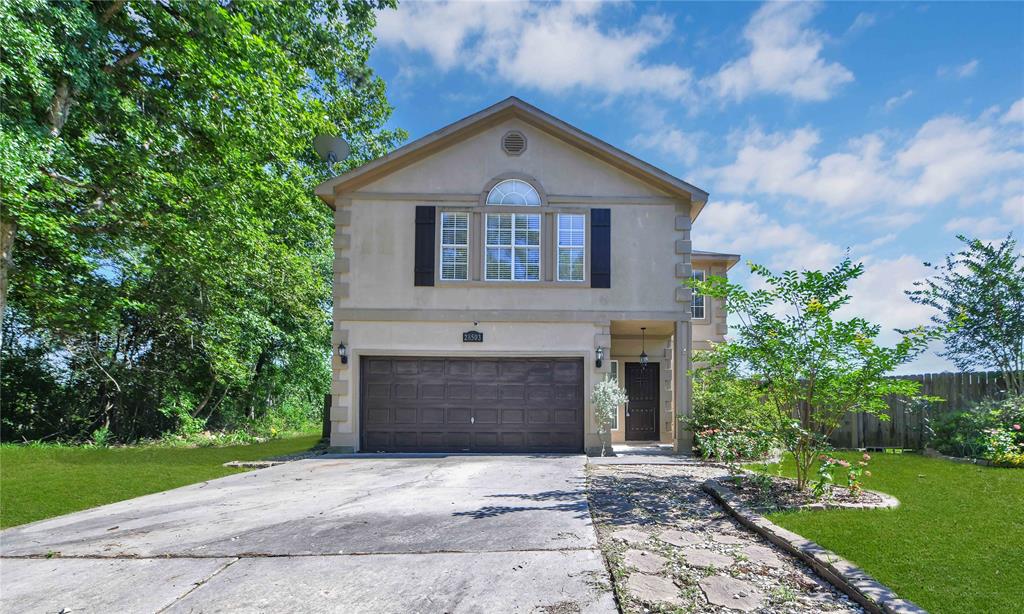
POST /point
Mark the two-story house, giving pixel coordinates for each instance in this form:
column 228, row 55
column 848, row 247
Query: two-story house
column 489, row 274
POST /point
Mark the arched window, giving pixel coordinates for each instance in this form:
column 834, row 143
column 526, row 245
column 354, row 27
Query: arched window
column 513, row 192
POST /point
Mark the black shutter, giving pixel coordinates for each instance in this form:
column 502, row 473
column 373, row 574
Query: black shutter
column 424, row 269
column 600, row 248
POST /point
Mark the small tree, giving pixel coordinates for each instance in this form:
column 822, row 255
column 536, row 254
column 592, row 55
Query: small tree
column 606, row 399
column 811, row 368
column 979, row 295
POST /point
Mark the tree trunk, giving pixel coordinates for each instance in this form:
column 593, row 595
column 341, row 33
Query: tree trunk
column 7, row 230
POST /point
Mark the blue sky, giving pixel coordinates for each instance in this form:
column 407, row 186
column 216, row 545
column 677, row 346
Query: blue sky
column 882, row 128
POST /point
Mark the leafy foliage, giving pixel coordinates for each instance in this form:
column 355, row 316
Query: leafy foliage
column 979, row 295
column 992, row 429
column 729, row 420
column 170, row 267
column 810, row 368
column 606, row 400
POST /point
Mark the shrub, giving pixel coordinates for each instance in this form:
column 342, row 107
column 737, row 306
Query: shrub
column 993, row 429
column 728, row 420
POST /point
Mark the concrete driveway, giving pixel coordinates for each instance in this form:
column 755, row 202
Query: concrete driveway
column 440, row 534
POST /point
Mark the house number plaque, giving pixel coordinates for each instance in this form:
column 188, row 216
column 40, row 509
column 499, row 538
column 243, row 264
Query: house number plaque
column 472, row 336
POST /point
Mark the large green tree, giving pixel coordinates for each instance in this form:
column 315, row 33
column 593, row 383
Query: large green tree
column 978, row 294
column 162, row 250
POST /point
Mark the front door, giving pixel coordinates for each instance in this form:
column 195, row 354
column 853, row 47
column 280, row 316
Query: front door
column 642, row 409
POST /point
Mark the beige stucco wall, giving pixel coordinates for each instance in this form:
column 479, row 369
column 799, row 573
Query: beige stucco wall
column 378, row 310
column 468, row 166
column 712, row 328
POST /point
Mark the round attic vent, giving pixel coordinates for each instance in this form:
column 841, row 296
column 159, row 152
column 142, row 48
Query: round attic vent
column 514, row 143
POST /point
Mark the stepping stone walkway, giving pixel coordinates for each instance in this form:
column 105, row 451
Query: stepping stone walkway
column 631, row 536
column 653, row 589
column 731, row 593
column 706, row 558
column 763, row 556
column 647, row 562
column 671, row 548
column 680, row 538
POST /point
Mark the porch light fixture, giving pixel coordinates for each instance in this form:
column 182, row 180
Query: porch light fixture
column 600, row 355
column 343, row 353
column 643, row 347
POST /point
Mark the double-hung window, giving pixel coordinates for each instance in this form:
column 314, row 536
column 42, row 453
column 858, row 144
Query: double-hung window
column 512, row 247
column 572, row 237
column 697, row 306
column 454, row 246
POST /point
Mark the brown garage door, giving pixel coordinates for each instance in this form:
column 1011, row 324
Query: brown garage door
column 471, row 405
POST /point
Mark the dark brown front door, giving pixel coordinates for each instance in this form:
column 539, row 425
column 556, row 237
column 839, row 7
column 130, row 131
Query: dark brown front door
column 643, row 391
column 471, row 404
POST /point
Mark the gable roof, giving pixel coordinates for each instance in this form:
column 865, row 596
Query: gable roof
column 509, row 108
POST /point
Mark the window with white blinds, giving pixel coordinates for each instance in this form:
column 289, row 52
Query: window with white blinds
column 697, row 306
column 455, row 246
column 572, row 240
column 512, row 247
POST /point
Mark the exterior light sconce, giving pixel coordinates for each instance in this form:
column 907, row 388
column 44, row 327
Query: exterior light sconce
column 343, row 353
column 643, row 347
column 599, row 352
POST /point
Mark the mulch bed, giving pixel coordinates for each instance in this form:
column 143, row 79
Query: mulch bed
column 784, row 495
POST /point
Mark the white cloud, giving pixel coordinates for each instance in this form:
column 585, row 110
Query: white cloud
column 977, row 227
column 1015, row 114
column 552, row 48
column 959, row 71
column 742, row 227
column 862, row 22
column 948, row 158
column 896, row 101
column 674, row 142
column 785, row 57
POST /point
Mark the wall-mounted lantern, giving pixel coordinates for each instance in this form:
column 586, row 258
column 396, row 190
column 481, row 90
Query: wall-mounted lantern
column 643, row 347
column 343, row 353
column 599, row 352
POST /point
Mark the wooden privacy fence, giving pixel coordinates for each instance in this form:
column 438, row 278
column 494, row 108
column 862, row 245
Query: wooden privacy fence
column 905, row 427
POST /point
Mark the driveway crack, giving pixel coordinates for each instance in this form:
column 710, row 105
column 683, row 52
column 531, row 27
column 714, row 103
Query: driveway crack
column 197, row 585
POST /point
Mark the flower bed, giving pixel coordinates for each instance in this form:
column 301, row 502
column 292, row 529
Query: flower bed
column 768, row 493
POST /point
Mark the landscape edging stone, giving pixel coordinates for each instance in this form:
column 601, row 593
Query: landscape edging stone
column 871, row 594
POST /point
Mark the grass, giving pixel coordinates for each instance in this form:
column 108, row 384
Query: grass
column 45, row 481
column 954, row 545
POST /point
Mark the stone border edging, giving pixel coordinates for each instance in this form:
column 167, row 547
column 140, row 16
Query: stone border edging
column 871, row 594
column 967, row 460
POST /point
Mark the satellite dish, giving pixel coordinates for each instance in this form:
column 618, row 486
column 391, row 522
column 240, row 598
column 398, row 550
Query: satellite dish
column 331, row 149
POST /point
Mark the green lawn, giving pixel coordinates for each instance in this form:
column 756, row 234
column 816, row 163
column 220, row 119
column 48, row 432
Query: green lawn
column 41, row 482
column 955, row 544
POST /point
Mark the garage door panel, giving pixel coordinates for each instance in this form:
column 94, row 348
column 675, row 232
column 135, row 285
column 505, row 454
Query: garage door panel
column 460, row 391
column 488, row 405
column 515, row 392
column 512, row 416
column 485, row 416
column 485, row 392
column 406, row 415
column 459, row 368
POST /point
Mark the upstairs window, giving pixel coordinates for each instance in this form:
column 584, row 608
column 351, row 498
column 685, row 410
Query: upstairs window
column 454, row 246
column 572, row 238
column 512, row 247
column 513, row 192
column 697, row 306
